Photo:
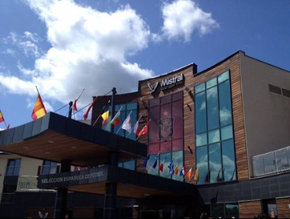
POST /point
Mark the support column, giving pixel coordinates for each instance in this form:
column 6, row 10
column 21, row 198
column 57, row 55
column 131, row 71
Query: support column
column 61, row 194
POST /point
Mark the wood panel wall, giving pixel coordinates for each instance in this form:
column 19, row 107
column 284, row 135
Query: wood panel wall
column 250, row 209
column 283, row 207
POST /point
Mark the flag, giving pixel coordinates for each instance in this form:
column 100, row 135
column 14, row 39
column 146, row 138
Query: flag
column 38, row 109
column 176, row 170
column 1, row 117
column 75, row 108
column 89, row 109
column 189, row 173
column 161, row 166
column 127, row 124
column 196, row 175
column 155, row 162
column 144, row 130
column 136, row 128
column 146, row 160
column 182, row 171
column 105, row 117
column 171, row 167
column 116, row 119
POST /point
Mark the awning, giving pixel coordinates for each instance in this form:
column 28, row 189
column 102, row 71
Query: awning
column 57, row 138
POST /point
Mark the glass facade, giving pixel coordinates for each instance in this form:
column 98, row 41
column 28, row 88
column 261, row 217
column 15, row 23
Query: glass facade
column 13, row 167
column 166, row 136
column 215, row 157
column 125, row 110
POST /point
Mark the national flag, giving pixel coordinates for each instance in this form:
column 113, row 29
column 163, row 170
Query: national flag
column 136, row 128
column 161, row 166
column 182, row 172
column 189, row 174
column 127, row 125
column 171, row 167
column 75, row 108
column 116, row 119
column 89, row 109
column 176, row 170
column 146, row 160
column 1, row 117
column 144, row 130
column 105, row 117
column 155, row 162
column 38, row 109
column 196, row 175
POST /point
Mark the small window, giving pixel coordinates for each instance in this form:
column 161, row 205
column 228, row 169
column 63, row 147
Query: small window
column 274, row 89
column 13, row 167
column 286, row 92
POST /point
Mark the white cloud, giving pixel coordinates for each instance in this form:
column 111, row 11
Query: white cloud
column 182, row 18
column 27, row 43
column 89, row 49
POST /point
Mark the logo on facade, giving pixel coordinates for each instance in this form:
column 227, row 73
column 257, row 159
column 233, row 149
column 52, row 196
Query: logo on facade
column 167, row 83
column 152, row 87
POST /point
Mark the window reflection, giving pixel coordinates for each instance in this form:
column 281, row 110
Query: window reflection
column 215, row 156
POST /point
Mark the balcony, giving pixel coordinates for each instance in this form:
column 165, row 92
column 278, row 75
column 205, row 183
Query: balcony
column 273, row 162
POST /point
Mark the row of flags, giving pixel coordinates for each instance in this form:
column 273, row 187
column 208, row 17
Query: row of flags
column 174, row 169
column 40, row 111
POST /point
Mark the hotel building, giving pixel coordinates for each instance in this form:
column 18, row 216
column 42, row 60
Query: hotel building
column 230, row 123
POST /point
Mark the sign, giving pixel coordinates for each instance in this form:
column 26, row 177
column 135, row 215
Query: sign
column 167, row 83
column 92, row 175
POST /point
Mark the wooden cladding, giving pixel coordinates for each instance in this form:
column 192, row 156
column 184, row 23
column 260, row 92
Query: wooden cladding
column 283, row 207
column 250, row 209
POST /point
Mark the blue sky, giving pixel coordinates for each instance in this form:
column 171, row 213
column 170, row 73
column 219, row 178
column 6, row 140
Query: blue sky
column 65, row 46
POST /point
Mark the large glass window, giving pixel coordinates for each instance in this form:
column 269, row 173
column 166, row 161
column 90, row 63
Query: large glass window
column 13, row 167
column 215, row 156
column 166, row 136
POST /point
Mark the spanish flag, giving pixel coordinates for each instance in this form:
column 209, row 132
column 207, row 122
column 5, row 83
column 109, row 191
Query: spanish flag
column 39, row 109
column 105, row 117
column 1, row 117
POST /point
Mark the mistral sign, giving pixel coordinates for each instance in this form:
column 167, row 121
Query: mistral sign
column 167, row 83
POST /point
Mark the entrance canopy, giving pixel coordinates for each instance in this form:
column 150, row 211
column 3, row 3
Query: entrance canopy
column 58, row 138
column 130, row 184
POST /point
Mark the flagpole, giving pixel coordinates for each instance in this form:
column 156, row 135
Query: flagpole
column 37, row 90
column 113, row 106
column 95, row 122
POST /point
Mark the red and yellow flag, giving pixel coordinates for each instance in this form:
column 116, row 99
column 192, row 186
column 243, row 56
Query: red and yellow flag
column 1, row 117
column 39, row 109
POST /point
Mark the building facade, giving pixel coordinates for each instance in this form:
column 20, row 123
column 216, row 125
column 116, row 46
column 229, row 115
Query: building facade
column 225, row 130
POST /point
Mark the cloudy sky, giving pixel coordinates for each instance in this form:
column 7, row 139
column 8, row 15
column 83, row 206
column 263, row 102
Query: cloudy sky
column 63, row 47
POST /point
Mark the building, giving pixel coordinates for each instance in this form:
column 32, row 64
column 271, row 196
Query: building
column 228, row 123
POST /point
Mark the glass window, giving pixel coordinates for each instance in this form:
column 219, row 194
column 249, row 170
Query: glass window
column 223, row 77
column 218, row 211
column 215, row 163
column 212, row 108
column 281, row 159
column 130, row 165
column 49, row 167
column 165, row 160
column 199, row 88
column 227, row 132
column 200, row 113
column 269, row 163
column 228, row 160
column 231, row 211
column 202, row 164
column 214, row 136
column 225, row 110
column 13, row 167
column 201, row 139
column 153, row 164
column 177, row 158
column 258, row 165
column 210, row 83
